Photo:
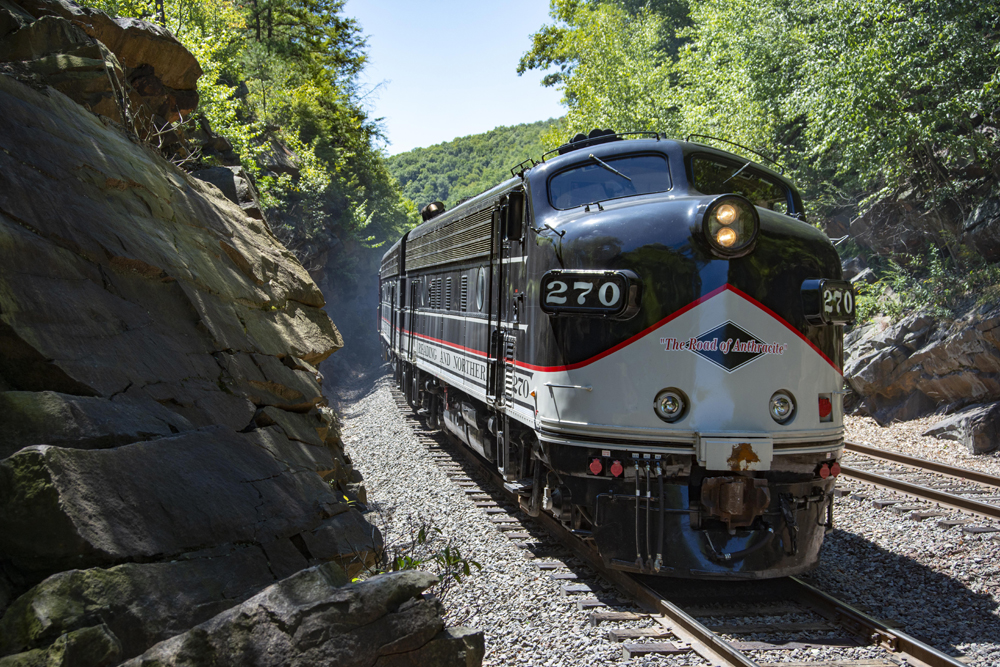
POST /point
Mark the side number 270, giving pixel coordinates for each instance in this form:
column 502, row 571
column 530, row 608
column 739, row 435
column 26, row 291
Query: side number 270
column 608, row 293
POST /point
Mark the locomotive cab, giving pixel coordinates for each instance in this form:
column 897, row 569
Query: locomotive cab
column 653, row 353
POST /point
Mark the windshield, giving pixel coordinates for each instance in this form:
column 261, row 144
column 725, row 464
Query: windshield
column 600, row 179
column 714, row 177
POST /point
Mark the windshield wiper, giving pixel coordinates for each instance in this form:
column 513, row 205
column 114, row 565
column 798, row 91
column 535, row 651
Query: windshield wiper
column 736, row 174
column 608, row 167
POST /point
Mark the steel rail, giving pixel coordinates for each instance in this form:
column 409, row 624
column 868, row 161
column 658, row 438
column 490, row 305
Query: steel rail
column 881, row 634
column 925, row 493
column 700, row 638
column 915, row 462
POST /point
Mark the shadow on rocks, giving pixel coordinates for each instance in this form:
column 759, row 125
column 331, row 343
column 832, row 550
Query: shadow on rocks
column 934, row 607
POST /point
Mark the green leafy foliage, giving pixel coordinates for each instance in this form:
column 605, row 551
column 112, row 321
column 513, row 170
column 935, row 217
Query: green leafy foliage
column 423, row 550
column 282, row 74
column 857, row 96
column 931, row 282
column 466, row 166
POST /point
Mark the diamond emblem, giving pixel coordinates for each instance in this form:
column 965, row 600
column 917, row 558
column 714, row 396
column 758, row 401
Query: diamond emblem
column 729, row 346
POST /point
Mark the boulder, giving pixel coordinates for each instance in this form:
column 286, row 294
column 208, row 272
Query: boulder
column 457, row 647
column 95, row 646
column 982, row 229
column 310, row 619
column 62, row 55
column 277, row 158
column 921, row 365
column 118, row 279
column 66, row 508
column 134, row 41
column 976, row 427
column 141, row 604
column 235, row 185
column 852, row 266
column 865, row 276
column 358, row 544
column 51, row 418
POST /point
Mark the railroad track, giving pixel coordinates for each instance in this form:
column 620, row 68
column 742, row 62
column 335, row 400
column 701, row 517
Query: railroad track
column 709, row 619
column 942, row 492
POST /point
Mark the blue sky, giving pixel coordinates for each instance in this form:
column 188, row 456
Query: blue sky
column 448, row 69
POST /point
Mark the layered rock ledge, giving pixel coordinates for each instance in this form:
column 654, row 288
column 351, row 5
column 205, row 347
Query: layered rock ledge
column 166, row 450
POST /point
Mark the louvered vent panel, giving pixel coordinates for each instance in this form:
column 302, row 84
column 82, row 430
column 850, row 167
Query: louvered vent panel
column 510, row 343
column 454, row 242
column 465, row 293
column 435, row 295
column 447, row 295
column 390, row 263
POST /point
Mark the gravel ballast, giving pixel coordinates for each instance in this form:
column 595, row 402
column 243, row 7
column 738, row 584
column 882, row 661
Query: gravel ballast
column 939, row 585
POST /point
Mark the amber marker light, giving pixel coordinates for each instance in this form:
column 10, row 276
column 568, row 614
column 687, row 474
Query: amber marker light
column 727, row 214
column 730, row 226
column 726, row 237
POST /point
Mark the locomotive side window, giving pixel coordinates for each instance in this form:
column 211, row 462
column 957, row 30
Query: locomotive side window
column 715, row 177
column 600, row 179
column 481, row 288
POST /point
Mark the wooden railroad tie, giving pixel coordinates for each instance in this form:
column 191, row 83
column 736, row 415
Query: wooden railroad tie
column 549, row 565
column 598, row 617
column 589, row 603
column 572, row 589
column 653, row 648
column 622, row 634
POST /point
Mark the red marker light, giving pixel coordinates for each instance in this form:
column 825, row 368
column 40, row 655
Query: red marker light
column 596, row 467
column 617, row 469
column 824, row 471
column 825, row 408
column 835, row 469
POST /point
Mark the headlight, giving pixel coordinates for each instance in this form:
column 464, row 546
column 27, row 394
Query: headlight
column 731, row 224
column 782, row 407
column 670, row 405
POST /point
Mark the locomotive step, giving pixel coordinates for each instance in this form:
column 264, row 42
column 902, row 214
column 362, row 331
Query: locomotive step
column 521, row 487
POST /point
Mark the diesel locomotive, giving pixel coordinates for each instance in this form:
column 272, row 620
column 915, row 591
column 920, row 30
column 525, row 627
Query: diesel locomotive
column 644, row 338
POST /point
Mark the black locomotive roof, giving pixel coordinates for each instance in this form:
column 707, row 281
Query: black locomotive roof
column 668, row 146
column 677, row 152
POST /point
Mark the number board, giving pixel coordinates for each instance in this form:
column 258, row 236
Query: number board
column 603, row 293
column 828, row 301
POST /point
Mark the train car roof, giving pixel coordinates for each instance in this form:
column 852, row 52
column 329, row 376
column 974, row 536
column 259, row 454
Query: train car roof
column 472, row 205
column 395, row 245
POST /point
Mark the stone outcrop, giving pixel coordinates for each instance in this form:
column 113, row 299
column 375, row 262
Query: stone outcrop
column 981, row 230
column 977, row 428
column 921, row 364
column 166, row 450
column 235, row 184
column 129, row 70
column 312, row 618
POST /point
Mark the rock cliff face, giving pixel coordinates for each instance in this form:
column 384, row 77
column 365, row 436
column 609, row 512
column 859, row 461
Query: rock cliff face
column 921, row 365
column 166, row 451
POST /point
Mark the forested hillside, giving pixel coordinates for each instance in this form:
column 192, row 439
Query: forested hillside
column 280, row 84
column 885, row 112
column 466, row 166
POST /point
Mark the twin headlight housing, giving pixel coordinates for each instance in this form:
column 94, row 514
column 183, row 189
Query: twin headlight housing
column 730, row 225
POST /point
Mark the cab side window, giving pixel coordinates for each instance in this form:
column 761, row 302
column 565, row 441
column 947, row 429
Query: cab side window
column 711, row 176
